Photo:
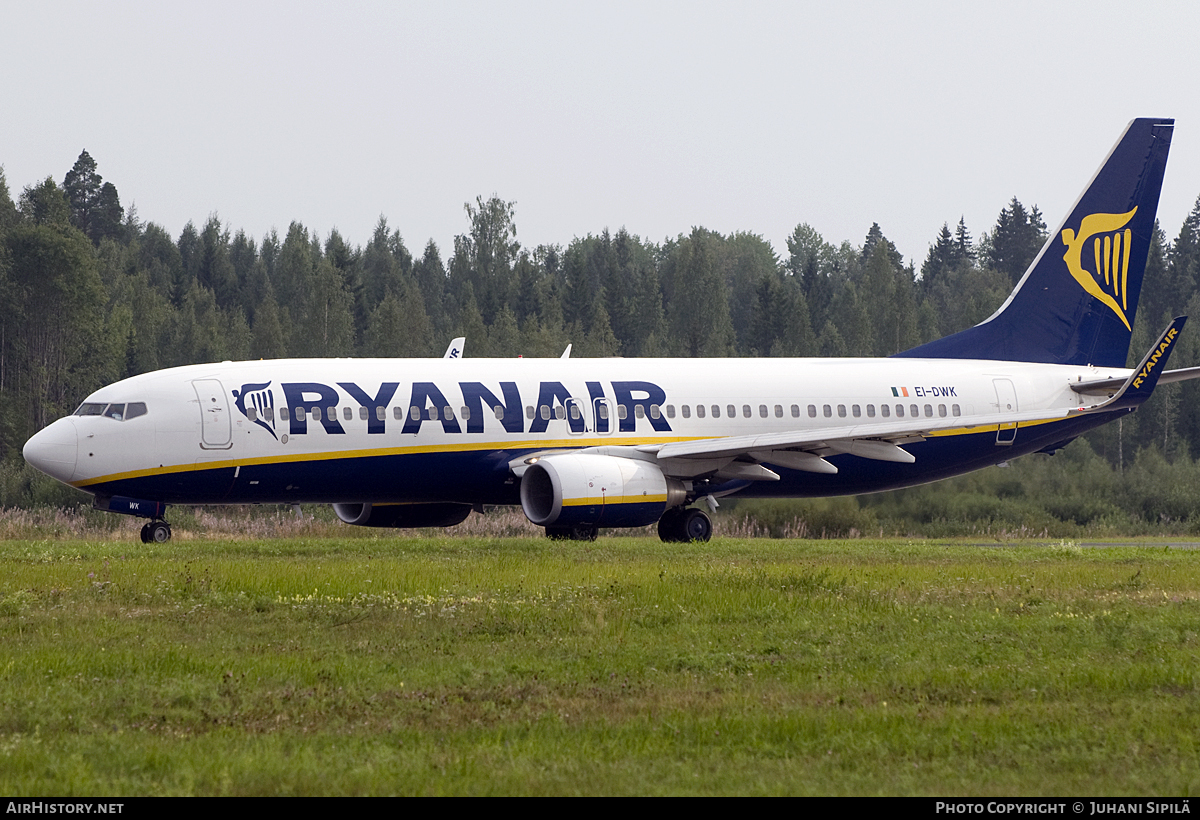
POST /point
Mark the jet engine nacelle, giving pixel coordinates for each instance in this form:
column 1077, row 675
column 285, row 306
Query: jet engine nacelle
column 402, row 515
column 573, row 489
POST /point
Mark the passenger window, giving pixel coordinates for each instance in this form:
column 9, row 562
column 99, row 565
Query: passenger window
column 686, row 409
column 252, row 413
column 779, row 411
column 795, row 411
column 732, row 412
column 559, row 412
column 498, row 410
column 745, row 411
column 397, row 412
column 899, row 411
column 856, row 411
column 885, row 410
column 942, row 410
column 928, row 411
column 716, row 411
column 655, row 412
column 575, row 412
column 603, row 411
column 433, row 414
column 954, row 410
column 639, row 412
column 348, row 413
column 316, row 414
column 870, row 411
column 544, row 411
column 414, row 413
column 827, row 410
column 670, row 411
column 529, row 412
column 465, row 413
column 448, row 413
column 362, row 413
column 332, row 413
column 622, row 411
column 700, row 411
column 841, row 411
column 380, row 414
column 914, row 411
column 762, row 411
column 812, row 411
column 137, row 408
column 298, row 413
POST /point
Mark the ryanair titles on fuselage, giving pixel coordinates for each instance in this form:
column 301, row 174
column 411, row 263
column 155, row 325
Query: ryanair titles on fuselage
column 428, row 403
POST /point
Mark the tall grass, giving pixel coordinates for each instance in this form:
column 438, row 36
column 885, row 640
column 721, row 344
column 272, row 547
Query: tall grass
column 444, row 665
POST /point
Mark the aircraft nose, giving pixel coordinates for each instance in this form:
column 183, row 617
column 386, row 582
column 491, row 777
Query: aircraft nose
column 55, row 450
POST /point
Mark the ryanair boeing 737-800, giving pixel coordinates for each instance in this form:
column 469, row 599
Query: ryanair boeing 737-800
column 588, row 443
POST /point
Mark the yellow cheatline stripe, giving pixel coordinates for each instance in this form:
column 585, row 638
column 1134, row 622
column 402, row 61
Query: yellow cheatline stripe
column 989, row 428
column 637, row 499
column 545, row 444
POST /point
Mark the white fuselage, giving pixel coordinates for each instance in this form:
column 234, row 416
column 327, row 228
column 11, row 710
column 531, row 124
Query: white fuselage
column 247, row 432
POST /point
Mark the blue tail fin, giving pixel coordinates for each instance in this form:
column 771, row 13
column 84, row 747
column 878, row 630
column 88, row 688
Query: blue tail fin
column 1077, row 301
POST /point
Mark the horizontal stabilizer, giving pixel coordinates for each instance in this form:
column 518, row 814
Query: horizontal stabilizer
column 1142, row 381
column 1109, row 387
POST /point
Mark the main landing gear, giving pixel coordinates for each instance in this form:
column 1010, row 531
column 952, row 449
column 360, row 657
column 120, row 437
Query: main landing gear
column 677, row 525
column 682, row 525
column 156, row 532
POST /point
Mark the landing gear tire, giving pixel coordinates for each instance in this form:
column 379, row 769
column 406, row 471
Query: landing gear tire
column 156, row 532
column 696, row 525
column 668, row 525
column 680, row 526
column 580, row 533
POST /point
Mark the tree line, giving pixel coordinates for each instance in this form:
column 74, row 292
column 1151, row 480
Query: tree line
column 91, row 294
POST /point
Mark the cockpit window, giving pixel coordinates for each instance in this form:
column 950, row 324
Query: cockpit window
column 120, row 412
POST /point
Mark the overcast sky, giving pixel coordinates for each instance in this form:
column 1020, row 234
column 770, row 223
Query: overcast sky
column 654, row 116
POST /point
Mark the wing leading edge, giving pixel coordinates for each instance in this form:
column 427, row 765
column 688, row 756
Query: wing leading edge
column 742, row 456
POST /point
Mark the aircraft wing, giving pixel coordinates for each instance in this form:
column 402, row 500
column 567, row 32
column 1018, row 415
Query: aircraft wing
column 806, row 449
column 743, row 457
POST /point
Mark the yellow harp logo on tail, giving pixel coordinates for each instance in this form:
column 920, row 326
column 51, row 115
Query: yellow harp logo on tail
column 1110, row 247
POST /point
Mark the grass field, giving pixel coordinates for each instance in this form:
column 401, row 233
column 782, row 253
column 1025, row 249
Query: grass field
column 522, row 666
